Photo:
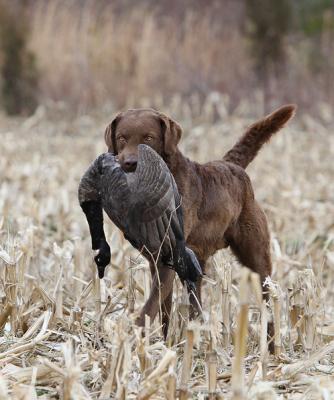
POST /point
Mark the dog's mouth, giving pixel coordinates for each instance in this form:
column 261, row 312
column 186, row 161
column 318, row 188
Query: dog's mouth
column 129, row 168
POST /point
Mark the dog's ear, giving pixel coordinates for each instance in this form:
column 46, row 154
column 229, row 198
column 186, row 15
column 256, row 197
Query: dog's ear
column 109, row 134
column 172, row 133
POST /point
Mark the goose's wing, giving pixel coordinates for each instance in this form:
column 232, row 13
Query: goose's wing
column 153, row 189
column 115, row 192
column 155, row 200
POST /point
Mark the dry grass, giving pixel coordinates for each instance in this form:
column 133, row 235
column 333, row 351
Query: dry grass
column 104, row 56
column 65, row 334
column 92, row 54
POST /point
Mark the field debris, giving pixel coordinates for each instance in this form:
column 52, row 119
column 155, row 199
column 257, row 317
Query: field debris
column 66, row 334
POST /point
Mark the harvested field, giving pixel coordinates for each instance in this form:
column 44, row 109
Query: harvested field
column 65, row 334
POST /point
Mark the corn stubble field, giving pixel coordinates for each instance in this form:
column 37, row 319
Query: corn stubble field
column 65, row 334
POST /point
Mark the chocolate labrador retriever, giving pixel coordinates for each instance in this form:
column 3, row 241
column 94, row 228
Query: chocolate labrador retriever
column 218, row 202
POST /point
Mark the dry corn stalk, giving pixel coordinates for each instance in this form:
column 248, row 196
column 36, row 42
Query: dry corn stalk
column 131, row 292
column 226, row 298
column 144, row 359
column 158, row 376
column 171, row 382
column 211, row 360
column 307, row 299
column 291, row 370
column 58, row 294
column 20, row 348
column 72, row 387
column 97, row 293
column 122, row 370
column 75, row 318
column 276, row 296
column 63, row 256
column 263, row 339
column 238, row 368
column 186, row 364
column 11, row 290
column 112, row 364
column 182, row 316
column 224, row 272
column 297, row 310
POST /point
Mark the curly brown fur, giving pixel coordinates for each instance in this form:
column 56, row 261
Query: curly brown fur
column 217, row 197
column 257, row 134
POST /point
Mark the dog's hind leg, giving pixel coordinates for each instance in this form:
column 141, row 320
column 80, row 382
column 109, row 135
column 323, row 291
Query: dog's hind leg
column 250, row 242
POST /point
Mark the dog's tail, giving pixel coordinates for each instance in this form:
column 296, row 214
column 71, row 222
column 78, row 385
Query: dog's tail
column 245, row 150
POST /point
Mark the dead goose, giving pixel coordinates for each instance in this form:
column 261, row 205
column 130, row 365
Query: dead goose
column 145, row 205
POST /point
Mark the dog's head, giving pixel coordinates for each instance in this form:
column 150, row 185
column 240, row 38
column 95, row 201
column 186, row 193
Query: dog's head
column 141, row 126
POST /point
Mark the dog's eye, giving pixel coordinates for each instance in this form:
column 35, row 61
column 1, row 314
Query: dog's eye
column 148, row 138
column 121, row 139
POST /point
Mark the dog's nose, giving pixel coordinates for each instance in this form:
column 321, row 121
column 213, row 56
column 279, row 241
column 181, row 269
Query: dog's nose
column 130, row 165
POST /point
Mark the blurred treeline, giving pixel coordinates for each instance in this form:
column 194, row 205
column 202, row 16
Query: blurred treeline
column 96, row 53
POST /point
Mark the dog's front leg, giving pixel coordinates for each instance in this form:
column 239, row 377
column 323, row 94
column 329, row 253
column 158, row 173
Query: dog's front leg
column 160, row 296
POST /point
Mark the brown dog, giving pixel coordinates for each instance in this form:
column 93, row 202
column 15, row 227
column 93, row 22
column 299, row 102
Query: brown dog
column 217, row 197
